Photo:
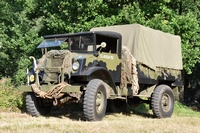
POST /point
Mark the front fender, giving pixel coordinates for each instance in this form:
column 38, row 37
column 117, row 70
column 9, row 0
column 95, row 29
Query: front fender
column 100, row 73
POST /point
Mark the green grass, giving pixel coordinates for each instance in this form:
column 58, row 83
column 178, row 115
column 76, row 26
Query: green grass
column 182, row 110
column 179, row 110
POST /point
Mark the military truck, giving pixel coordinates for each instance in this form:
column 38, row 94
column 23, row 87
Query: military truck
column 106, row 69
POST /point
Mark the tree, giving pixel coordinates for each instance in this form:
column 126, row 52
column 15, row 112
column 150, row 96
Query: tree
column 27, row 20
column 19, row 37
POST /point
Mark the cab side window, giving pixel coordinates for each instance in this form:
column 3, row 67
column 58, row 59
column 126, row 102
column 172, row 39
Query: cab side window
column 111, row 44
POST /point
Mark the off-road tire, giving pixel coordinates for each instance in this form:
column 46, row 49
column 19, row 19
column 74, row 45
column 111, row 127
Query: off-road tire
column 162, row 101
column 116, row 106
column 34, row 105
column 95, row 100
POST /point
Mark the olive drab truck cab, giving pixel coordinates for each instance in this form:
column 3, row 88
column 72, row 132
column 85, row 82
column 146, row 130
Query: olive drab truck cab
column 105, row 69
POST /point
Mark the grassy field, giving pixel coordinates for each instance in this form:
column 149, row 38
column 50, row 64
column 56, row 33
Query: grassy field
column 183, row 121
column 13, row 119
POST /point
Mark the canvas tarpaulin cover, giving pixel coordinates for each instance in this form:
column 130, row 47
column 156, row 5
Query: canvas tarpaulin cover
column 151, row 47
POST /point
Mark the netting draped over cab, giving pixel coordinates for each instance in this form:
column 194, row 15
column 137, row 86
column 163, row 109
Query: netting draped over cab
column 52, row 63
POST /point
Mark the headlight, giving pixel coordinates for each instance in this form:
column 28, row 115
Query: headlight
column 31, row 78
column 75, row 66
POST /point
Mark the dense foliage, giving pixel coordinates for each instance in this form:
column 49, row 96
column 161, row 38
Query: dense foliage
column 10, row 98
column 24, row 22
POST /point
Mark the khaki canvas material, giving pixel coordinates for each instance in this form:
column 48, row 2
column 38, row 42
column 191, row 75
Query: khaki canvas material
column 151, row 47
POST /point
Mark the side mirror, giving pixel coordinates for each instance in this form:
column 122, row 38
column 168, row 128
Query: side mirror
column 103, row 44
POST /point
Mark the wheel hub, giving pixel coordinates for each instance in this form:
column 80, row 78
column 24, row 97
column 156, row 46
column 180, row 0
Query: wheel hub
column 99, row 102
column 166, row 102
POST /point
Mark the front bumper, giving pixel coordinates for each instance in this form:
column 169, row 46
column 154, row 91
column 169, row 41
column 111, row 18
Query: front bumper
column 46, row 88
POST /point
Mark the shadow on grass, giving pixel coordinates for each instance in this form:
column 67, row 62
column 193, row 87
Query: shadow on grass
column 75, row 112
column 141, row 110
column 72, row 111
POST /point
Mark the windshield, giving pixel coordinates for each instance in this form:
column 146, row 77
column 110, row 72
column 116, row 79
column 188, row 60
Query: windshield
column 82, row 43
column 52, row 42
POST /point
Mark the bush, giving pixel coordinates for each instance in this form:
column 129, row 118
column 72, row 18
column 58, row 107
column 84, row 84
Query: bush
column 10, row 98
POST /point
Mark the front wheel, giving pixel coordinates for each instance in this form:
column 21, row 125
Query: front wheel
column 37, row 106
column 95, row 100
column 162, row 101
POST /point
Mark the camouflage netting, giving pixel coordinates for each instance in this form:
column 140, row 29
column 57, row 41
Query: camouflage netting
column 57, row 58
column 129, row 71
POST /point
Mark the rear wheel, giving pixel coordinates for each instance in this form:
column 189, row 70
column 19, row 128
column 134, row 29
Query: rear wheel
column 37, row 106
column 95, row 100
column 162, row 101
